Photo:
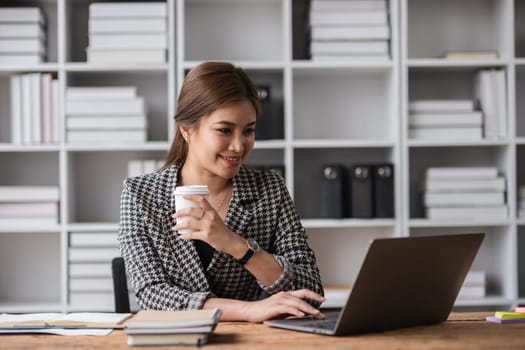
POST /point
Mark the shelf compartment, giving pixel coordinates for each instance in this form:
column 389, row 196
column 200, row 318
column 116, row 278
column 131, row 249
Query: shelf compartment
column 242, row 30
column 519, row 28
column 152, row 86
column 356, row 105
column 331, row 247
column 97, row 178
column 29, row 168
column 474, row 25
column 493, row 257
column 34, row 269
column 474, row 156
column 308, row 164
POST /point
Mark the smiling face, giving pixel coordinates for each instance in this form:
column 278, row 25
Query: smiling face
column 222, row 140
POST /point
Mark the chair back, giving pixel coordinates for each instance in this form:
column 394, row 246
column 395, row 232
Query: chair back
column 120, row 285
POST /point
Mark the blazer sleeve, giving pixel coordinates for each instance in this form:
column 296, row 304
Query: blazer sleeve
column 153, row 287
column 291, row 250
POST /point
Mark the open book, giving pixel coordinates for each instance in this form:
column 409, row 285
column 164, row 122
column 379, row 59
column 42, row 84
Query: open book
column 59, row 320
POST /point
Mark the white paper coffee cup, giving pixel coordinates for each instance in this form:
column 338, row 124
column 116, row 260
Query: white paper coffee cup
column 181, row 202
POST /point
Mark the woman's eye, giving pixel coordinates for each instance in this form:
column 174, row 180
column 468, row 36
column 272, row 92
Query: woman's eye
column 224, row 130
column 250, row 131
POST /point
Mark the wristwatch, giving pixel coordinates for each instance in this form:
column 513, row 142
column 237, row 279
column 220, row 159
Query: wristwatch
column 253, row 247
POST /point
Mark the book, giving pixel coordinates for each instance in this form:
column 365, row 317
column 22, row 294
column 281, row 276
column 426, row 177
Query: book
column 28, row 223
column 347, row 6
column 127, row 25
column 36, row 103
column 28, row 209
column 435, row 105
column 353, row 56
column 93, row 239
column 450, row 133
column 106, row 136
column 468, row 213
column 21, row 58
column 46, row 108
column 91, row 284
column 325, row 18
column 89, row 270
column 155, row 319
column 471, row 55
column 485, row 93
column 104, row 107
column 100, row 92
column 71, row 320
column 167, row 339
column 92, row 254
column 29, row 194
column 92, row 300
column 128, row 41
column 55, row 112
column 501, row 102
column 372, row 32
column 465, row 185
column 21, row 14
column 126, row 56
column 16, row 109
column 349, row 47
column 22, row 30
column 335, row 296
column 475, row 278
column 459, row 199
column 461, row 173
column 26, row 108
column 98, row 122
column 127, row 9
column 506, row 315
column 22, row 45
column 443, row 119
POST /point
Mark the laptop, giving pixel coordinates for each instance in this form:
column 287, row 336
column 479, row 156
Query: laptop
column 403, row 282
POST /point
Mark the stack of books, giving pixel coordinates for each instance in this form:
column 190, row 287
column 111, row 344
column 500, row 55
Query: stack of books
column 34, row 109
column 464, row 193
column 521, row 202
column 355, row 29
column 22, row 35
column 105, row 115
column 491, row 95
column 444, row 120
column 25, row 207
column 127, row 32
column 89, row 269
column 473, row 286
column 141, row 167
column 186, row 327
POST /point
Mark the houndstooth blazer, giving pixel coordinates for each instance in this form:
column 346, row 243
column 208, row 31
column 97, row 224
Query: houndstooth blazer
column 166, row 272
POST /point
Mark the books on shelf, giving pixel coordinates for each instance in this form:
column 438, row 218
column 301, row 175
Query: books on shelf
column 372, row 32
column 471, row 55
column 445, row 119
column 349, row 30
column 443, row 133
column 79, row 270
column 461, row 173
column 91, row 284
column 491, row 94
column 24, row 194
column 347, row 6
column 127, row 32
column 186, row 327
column 126, row 56
column 464, row 193
column 105, row 114
column 25, row 207
column 34, row 109
column 440, row 106
column 93, row 239
column 58, row 320
column 22, row 35
column 495, row 213
column 474, row 286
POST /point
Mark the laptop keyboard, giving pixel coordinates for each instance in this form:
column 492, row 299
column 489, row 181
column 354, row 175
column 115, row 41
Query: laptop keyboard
column 328, row 323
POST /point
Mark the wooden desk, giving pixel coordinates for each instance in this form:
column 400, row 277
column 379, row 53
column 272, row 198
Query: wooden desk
column 461, row 331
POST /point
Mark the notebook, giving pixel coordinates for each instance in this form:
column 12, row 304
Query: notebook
column 403, row 282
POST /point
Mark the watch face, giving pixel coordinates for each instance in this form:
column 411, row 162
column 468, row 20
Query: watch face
column 252, row 243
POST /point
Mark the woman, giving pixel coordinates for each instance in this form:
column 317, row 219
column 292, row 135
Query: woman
column 247, row 239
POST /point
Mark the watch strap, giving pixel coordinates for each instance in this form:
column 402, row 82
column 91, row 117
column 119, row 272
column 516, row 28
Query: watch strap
column 246, row 257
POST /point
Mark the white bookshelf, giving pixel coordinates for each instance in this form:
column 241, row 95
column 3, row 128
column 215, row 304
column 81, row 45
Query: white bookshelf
column 333, row 112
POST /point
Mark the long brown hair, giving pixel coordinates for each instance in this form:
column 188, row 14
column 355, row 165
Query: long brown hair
column 207, row 87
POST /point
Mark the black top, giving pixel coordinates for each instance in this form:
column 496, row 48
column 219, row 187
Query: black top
column 205, row 252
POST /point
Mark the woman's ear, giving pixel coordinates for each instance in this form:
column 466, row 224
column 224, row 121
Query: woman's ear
column 185, row 133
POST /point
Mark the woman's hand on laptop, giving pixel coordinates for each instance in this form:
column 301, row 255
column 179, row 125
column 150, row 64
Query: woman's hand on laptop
column 284, row 303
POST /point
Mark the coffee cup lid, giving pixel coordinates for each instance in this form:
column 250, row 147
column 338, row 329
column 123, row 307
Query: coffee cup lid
column 192, row 189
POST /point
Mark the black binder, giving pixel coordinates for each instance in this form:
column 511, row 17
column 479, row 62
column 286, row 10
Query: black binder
column 332, row 191
column 384, row 190
column 270, row 123
column 361, row 205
